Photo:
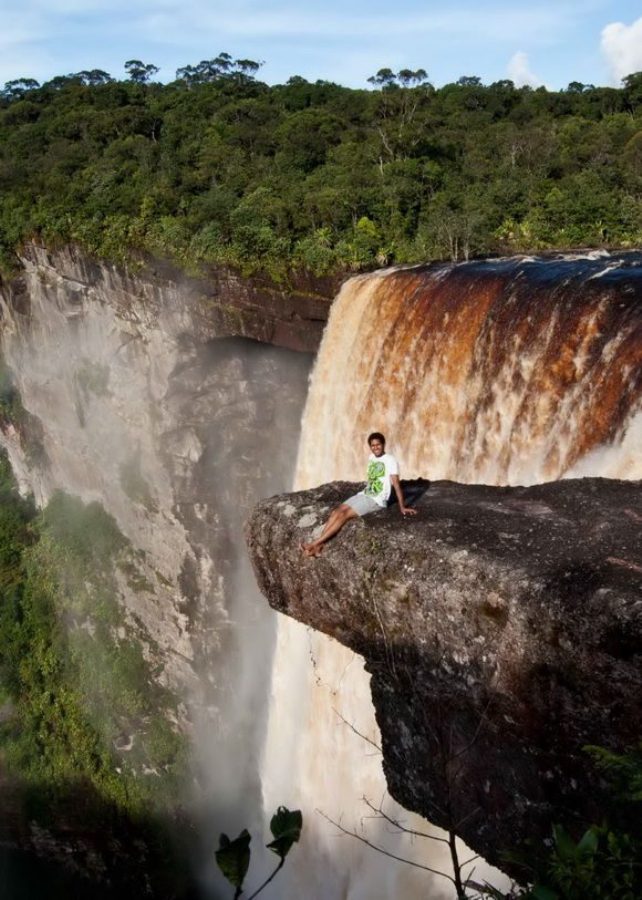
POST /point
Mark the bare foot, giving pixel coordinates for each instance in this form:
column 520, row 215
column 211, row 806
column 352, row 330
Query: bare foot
column 310, row 549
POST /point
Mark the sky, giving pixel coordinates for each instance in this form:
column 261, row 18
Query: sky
column 553, row 42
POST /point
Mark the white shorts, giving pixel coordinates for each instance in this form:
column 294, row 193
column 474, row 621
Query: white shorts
column 362, row 504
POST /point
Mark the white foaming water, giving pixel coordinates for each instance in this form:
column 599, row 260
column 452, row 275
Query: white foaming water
column 460, row 398
column 620, row 460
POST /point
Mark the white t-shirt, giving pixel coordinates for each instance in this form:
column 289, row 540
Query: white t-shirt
column 379, row 486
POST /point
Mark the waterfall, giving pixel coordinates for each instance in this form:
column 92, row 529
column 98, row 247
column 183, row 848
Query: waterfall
column 499, row 372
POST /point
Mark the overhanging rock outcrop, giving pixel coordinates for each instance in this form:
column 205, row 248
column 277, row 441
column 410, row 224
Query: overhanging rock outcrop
column 502, row 628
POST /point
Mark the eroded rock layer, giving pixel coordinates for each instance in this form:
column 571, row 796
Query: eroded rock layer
column 502, row 628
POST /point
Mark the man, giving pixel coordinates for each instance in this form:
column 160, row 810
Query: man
column 382, row 477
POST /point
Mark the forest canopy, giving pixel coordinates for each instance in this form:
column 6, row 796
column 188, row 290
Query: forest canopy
column 219, row 167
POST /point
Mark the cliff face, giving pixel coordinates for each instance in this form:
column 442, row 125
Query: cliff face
column 142, row 392
column 220, row 303
column 502, row 628
column 175, row 403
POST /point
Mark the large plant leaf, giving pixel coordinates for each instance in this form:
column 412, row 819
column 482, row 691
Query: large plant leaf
column 233, row 857
column 588, row 843
column 564, row 844
column 286, row 829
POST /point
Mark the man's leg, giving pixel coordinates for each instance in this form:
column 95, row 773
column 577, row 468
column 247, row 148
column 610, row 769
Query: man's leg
column 336, row 520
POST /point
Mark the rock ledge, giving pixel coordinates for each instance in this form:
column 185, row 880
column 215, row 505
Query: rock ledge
column 503, row 631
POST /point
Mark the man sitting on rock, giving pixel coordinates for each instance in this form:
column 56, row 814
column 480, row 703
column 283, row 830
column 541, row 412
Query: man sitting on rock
column 382, row 476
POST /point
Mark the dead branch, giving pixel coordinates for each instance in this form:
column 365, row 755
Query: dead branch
column 397, row 824
column 356, row 731
column 382, row 850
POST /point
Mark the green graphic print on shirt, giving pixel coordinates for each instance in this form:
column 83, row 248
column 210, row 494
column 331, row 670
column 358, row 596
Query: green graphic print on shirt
column 376, row 472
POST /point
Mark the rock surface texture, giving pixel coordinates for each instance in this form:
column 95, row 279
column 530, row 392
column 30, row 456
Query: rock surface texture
column 175, row 403
column 143, row 392
column 502, row 628
column 221, row 302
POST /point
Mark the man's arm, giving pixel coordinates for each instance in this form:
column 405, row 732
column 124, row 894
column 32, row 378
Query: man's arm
column 403, row 509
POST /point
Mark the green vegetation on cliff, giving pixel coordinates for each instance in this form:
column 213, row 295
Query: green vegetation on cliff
column 82, row 705
column 219, row 167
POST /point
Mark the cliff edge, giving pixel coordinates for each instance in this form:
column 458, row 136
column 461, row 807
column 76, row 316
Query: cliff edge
column 502, row 628
column 218, row 303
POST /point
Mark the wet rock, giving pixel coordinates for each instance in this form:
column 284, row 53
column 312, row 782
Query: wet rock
column 502, row 628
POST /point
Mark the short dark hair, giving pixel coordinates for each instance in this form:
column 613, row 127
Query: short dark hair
column 376, row 436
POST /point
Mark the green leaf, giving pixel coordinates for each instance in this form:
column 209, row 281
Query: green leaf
column 540, row 892
column 563, row 843
column 233, row 857
column 588, row 843
column 286, row 829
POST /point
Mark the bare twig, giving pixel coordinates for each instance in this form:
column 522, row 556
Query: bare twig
column 465, row 818
column 380, row 813
column 267, row 880
column 385, row 852
column 356, row 731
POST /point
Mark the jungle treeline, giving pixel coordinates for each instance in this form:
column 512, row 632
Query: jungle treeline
column 219, row 167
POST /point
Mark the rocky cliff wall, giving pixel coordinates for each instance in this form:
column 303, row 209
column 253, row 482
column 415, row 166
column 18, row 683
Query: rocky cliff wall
column 140, row 392
column 175, row 404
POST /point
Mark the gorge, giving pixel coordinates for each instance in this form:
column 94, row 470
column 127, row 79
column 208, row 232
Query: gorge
column 170, row 403
column 171, row 409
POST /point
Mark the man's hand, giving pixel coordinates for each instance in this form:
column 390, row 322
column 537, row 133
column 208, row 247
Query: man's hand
column 403, row 509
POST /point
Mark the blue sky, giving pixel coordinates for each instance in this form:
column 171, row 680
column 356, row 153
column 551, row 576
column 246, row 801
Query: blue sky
column 552, row 43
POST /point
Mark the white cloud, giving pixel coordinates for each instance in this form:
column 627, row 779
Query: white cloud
column 519, row 71
column 622, row 48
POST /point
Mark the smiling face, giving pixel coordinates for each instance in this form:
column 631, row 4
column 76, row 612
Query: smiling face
column 377, row 447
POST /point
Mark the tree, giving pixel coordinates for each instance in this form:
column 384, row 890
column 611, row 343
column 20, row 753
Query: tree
column 245, row 69
column 63, row 81
column 221, row 67
column 577, row 87
column 16, row 89
column 401, row 94
column 282, row 176
column 633, row 90
column 386, row 79
column 95, row 77
column 408, row 78
column 140, row 72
